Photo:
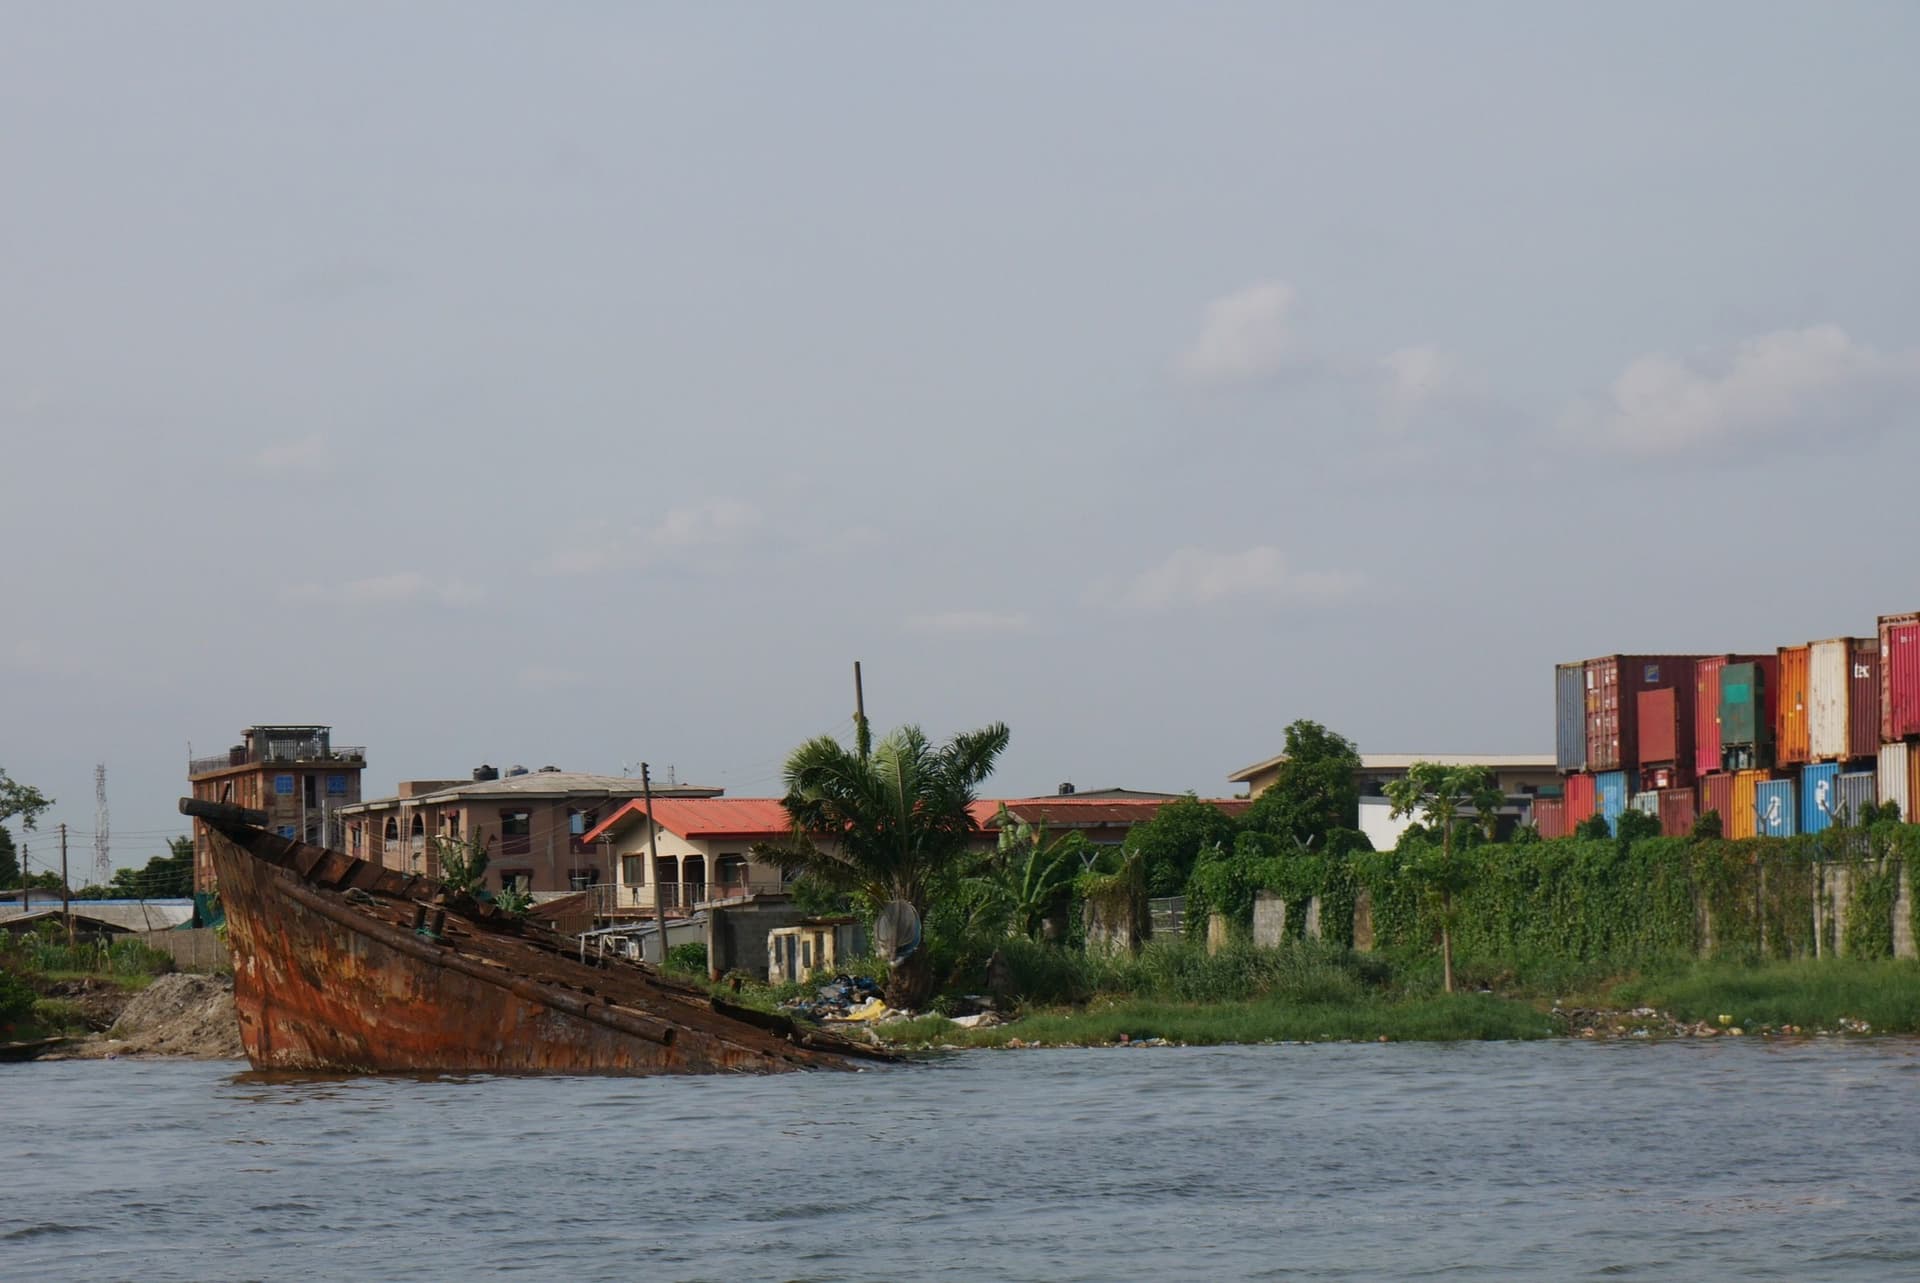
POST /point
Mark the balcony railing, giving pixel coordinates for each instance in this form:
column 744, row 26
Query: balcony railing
column 282, row 751
column 678, row 899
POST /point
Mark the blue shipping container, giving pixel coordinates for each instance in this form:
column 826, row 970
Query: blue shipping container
column 1570, row 716
column 1819, row 796
column 1610, row 788
column 1773, row 808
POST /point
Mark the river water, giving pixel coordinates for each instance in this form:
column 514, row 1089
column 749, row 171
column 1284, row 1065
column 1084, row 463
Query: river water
column 1686, row 1160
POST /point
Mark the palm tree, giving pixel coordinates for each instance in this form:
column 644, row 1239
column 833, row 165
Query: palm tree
column 896, row 822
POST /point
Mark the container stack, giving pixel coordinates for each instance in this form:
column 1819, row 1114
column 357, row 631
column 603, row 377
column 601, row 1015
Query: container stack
column 1792, row 742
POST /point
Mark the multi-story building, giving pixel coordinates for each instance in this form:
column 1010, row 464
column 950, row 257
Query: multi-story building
column 296, row 774
column 534, row 824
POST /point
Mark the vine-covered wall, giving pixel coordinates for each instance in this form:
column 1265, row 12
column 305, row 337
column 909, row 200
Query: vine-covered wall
column 1580, row 902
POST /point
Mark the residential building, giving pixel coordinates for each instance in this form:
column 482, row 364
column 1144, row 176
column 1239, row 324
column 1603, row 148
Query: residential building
column 1104, row 816
column 704, row 850
column 296, row 774
column 1513, row 773
column 534, row 824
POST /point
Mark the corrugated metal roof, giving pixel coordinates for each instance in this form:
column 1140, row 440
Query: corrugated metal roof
column 705, row 817
column 1069, row 812
column 1402, row 761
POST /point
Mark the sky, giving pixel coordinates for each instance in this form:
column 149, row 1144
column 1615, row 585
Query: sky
column 587, row 384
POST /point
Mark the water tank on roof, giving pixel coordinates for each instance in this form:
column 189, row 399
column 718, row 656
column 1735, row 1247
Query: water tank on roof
column 1066, row 790
column 483, row 772
column 516, row 769
column 549, row 770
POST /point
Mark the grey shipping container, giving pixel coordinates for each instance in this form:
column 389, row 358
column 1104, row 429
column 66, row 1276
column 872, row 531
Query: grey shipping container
column 1570, row 716
column 1854, row 793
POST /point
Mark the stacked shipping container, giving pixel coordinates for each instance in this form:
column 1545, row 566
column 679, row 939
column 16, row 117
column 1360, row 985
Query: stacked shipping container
column 1680, row 735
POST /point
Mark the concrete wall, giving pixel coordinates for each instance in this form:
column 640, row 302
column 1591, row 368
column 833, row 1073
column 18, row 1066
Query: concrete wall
column 737, row 935
column 199, row 949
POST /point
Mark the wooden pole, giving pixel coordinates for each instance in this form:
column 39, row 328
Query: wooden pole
column 653, row 858
column 66, row 892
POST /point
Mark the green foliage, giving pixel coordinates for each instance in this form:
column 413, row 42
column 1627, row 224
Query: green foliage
column 168, row 876
column 9, row 861
column 1636, row 826
column 1169, row 845
column 1029, row 879
column 1593, row 829
column 1806, row 994
column 463, row 863
column 16, row 999
column 690, row 958
column 512, row 901
column 1706, row 826
column 1315, row 791
column 45, row 949
column 21, row 801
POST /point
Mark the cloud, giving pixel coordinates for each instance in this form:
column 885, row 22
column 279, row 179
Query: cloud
column 1808, row 385
column 1418, row 381
column 1200, row 577
column 968, row 623
column 598, row 550
column 308, row 456
column 403, row 588
column 1245, row 336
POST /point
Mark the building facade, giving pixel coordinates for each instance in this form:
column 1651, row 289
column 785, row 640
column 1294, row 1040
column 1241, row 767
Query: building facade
column 296, row 774
column 702, row 851
column 1513, row 773
column 534, row 825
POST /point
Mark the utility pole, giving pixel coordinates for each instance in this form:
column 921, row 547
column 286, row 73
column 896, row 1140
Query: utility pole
column 66, row 892
column 653, row 857
column 862, row 737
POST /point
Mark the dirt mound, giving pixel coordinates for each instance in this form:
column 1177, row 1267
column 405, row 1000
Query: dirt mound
column 177, row 1015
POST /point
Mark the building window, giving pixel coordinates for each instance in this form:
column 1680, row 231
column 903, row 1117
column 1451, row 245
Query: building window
column 633, row 870
column 393, row 829
column 516, row 831
column 353, row 840
column 336, row 786
column 577, row 823
column 520, row 880
column 283, row 785
column 580, row 879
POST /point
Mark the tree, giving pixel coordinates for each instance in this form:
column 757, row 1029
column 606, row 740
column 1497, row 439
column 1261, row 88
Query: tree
column 1443, row 795
column 1316, row 791
column 1706, row 825
column 27, row 803
column 168, row 876
column 1030, row 876
column 1635, row 826
column 898, row 820
column 1171, row 842
column 1593, row 829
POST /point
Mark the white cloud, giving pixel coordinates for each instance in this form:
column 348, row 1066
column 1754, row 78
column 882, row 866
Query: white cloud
column 1418, row 380
column 1245, row 335
column 597, row 550
column 308, row 456
column 1199, row 577
column 1811, row 384
column 968, row 623
column 406, row 587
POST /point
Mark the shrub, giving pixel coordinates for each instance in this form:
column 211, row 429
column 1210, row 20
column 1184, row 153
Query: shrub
column 690, row 958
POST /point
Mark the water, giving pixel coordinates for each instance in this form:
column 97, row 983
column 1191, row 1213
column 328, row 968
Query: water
column 1692, row 1160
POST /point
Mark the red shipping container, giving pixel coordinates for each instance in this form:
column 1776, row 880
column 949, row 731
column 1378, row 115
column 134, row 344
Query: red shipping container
column 1863, row 700
column 1676, row 812
column 1666, row 728
column 1706, row 713
column 1614, row 683
column 1899, row 676
column 1716, row 794
column 1790, row 742
column 1582, row 802
column 1550, row 816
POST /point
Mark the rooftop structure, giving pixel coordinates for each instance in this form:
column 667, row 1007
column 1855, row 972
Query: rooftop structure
column 1513, row 772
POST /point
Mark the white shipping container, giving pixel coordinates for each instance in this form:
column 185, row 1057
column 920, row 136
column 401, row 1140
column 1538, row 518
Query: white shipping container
column 1894, row 777
column 1829, row 679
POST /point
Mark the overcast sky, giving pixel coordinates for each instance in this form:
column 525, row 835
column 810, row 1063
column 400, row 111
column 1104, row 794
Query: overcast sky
column 589, row 383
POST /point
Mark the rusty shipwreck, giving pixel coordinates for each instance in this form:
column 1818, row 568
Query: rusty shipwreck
column 342, row 965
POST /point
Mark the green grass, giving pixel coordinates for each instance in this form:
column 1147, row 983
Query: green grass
column 1806, row 993
column 1462, row 1017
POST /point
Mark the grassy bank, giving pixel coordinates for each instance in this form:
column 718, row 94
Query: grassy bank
column 1830, row 994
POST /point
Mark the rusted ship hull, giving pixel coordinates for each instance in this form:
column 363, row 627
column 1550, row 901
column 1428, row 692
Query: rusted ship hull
column 340, row 965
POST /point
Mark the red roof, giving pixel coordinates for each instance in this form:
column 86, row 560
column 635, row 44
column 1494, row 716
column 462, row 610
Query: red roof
column 705, row 817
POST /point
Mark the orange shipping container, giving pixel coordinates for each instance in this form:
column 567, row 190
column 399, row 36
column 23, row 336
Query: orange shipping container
column 1741, row 823
column 1790, row 721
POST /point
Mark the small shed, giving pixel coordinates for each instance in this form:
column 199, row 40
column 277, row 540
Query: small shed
column 813, row 945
